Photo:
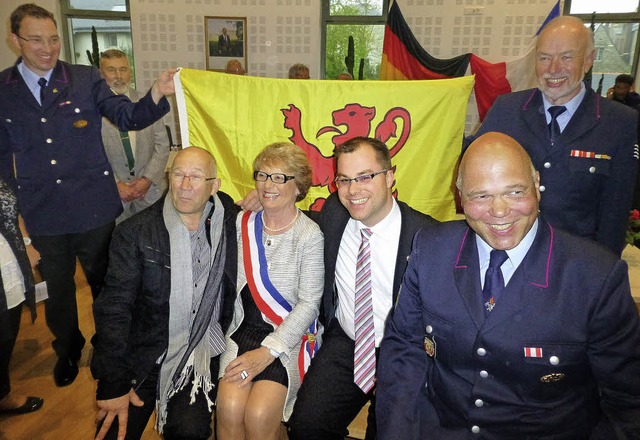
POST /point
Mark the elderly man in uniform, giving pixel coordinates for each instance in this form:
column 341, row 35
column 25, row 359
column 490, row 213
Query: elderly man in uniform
column 51, row 151
column 587, row 168
column 507, row 327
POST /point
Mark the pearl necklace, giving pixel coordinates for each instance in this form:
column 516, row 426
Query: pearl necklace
column 284, row 227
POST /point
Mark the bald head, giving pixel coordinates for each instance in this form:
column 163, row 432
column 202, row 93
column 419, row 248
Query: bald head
column 491, row 147
column 499, row 190
column 192, row 181
column 568, row 25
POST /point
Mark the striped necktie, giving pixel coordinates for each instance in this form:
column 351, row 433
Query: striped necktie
column 364, row 362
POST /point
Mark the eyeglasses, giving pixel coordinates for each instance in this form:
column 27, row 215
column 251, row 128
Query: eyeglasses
column 280, row 178
column 40, row 42
column 344, row 182
column 196, row 179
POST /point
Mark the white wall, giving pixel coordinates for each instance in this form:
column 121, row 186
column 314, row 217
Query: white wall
column 169, row 33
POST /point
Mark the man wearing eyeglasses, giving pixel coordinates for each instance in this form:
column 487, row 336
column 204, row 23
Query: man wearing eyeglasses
column 166, row 303
column 364, row 227
column 51, row 151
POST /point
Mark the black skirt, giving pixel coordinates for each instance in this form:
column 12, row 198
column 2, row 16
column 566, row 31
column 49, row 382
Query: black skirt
column 250, row 335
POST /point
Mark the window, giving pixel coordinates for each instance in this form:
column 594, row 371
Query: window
column 364, row 20
column 615, row 30
column 111, row 20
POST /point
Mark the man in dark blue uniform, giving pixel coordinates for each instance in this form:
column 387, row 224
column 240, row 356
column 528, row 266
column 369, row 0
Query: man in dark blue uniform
column 51, row 151
column 587, row 168
column 546, row 347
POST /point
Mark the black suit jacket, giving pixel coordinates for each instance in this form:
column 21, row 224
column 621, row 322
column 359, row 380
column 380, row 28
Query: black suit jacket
column 333, row 220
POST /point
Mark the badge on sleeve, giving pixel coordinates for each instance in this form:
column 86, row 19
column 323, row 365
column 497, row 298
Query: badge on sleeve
column 430, row 346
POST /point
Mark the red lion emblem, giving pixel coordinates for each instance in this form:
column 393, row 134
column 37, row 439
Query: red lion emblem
column 357, row 119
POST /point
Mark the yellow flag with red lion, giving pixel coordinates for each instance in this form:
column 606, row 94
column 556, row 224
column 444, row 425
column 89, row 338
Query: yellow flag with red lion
column 421, row 122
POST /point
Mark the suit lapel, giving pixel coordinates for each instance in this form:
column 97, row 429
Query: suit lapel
column 531, row 278
column 589, row 119
column 57, row 86
column 534, row 117
column 15, row 83
column 466, row 272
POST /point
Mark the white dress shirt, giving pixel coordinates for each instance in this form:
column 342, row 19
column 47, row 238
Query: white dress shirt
column 384, row 250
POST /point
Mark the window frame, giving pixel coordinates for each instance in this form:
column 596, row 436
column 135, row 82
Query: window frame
column 67, row 12
column 328, row 19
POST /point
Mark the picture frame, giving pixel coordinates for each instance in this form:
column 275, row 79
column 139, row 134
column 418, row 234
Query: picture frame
column 225, row 40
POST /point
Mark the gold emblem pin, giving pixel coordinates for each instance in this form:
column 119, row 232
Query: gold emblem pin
column 430, row 346
column 55, row 90
column 553, row 377
column 80, row 123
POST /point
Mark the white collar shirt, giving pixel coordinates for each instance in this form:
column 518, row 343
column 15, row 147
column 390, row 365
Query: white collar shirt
column 384, row 243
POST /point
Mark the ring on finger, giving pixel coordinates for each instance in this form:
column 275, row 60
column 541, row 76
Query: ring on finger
column 244, row 374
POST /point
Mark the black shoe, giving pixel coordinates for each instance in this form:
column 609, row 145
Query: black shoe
column 32, row 404
column 65, row 371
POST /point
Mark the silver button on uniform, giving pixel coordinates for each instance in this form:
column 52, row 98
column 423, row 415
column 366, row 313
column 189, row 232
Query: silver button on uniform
column 554, row 360
column 547, row 164
column 479, row 403
column 592, row 170
column 542, row 188
column 481, row 351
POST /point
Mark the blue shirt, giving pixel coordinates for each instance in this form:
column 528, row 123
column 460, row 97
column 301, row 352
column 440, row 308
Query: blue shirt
column 32, row 79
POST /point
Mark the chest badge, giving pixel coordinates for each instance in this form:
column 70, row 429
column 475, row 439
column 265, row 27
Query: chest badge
column 80, row 123
column 553, row 377
column 430, row 346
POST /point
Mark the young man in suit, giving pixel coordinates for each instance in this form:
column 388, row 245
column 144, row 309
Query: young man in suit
column 548, row 346
column 362, row 218
column 587, row 169
column 138, row 158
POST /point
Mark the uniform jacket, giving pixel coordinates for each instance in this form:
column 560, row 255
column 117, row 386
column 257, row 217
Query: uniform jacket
column 132, row 311
column 445, row 370
column 151, row 155
column 333, row 220
column 590, row 197
column 63, row 178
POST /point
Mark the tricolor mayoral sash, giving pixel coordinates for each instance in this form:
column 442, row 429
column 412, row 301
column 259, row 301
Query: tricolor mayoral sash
column 270, row 302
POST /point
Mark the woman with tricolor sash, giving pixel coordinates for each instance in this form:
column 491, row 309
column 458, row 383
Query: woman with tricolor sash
column 274, row 332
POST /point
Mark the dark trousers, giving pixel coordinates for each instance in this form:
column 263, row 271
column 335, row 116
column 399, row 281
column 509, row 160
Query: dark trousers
column 328, row 399
column 9, row 326
column 58, row 266
column 185, row 421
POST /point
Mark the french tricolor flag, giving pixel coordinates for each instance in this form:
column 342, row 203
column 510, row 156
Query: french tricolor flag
column 533, row 352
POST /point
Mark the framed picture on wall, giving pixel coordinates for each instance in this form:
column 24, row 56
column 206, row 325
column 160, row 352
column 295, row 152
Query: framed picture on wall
column 225, row 40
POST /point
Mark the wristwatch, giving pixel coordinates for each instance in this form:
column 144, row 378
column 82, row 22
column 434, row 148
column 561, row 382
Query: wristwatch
column 27, row 241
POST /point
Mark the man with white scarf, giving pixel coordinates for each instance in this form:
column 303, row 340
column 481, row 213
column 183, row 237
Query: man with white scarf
column 167, row 301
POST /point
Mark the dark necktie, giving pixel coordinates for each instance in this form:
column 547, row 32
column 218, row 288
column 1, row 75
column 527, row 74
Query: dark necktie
column 493, row 280
column 126, row 144
column 43, row 83
column 554, row 127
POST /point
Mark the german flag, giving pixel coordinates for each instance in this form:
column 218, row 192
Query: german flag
column 404, row 58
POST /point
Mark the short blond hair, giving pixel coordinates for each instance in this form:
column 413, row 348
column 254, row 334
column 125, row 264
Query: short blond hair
column 292, row 160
